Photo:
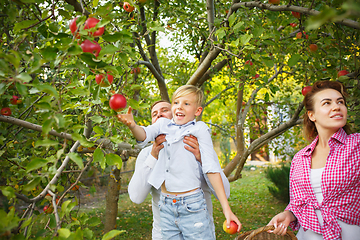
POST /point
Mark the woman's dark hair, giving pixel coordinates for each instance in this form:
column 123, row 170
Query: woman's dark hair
column 310, row 130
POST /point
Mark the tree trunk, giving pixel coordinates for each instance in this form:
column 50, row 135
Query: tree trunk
column 112, row 199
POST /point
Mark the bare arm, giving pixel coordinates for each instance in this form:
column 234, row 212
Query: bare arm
column 128, row 119
column 216, row 182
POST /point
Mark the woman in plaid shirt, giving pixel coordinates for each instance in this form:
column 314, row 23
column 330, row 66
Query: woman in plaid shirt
column 324, row 176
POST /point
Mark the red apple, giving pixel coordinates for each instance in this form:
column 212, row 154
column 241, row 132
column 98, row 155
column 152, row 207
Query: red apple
column 296, row 14
column 248, row 62
column 276, row 2
column 6, row 111
column 91, row 47
column 14, row 100
column 73, row 27
column 117, row 102
column 342, row 73
column 135, row 70
column 300, row 34
column 100, row 79
column 91, row 23
column 214, row 133
column 48, row 209
column 233, row 227
column 313, row 47
column 305, row 90
column 256, row 76
column 128, row 7
column 293, row 24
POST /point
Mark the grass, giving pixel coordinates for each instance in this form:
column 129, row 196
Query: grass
column 250, row 201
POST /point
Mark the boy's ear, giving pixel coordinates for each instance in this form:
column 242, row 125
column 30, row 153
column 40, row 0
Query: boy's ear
column 198, row 111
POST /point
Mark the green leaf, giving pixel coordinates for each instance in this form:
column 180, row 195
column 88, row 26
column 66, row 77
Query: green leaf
column 96, row 119
column 43, row 105
column 98, row 156
column 116, row 139
column 113, row 37
column 232, row 19
column 90, row 59
column 32, row 184
column 108, row 49
column 293, row 60
column 94, row 221
column 258, row 31
column 74, row 49
column 24, row 77
column 64, row 233
column 269, row 63
column 36, row 163
column 46, row 143
column 76, row 159
column 221, row 33
column 22, row 89
column 8, row 192
column 97, row 130
column 48, row 89
column 47, row 126
column 83, row 141
column 245, row 38
column 113, row 159
column 316, row 21
column 24, row 24
column 60, row 120
column 113, row 233
column 49, row 53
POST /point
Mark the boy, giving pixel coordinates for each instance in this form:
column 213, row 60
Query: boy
column 183, row 210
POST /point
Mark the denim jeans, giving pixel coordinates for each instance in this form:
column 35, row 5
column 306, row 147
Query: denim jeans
column 185, row 217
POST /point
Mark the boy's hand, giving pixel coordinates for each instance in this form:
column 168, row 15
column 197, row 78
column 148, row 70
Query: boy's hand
column 127, row 119
column 230, row 216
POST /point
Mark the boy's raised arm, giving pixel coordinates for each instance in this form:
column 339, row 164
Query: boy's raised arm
column 128, row 119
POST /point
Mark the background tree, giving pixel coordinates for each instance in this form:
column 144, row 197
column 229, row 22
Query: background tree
column 252, row 59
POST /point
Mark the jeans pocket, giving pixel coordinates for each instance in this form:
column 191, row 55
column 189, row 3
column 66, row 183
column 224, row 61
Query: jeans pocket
column 196, row 206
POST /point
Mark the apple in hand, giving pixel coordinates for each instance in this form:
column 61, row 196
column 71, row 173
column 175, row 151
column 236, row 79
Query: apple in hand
column 342, row 73
column 91, row 47
column 117, row 102
column 233, row 227
column 6, row 111
column 305, row 90
column 128, row 7
column 91, row 23
column 100, row 79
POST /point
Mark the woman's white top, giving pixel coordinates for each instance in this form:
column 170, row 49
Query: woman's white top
column 349, row 232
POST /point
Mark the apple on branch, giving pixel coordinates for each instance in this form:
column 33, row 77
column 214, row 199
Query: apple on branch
column 91, row 23
column 100, row 79
column 342, row 73
column 117, row 102
column 305, row 90
column 313, row 47
column 15, row 100
column 6, row 111
column 296, row 14
column 127, row 6
column 91, row 47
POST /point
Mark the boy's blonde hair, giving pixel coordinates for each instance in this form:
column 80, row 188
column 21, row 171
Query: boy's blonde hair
column 186, row 90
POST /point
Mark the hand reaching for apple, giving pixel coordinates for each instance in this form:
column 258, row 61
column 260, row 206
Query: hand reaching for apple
column 127, row 119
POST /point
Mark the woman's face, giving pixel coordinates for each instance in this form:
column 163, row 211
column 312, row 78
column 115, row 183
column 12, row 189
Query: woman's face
column 330, row 112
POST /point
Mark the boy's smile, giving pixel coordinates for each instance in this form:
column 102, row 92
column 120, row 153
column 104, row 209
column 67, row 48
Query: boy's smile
column 185, row 109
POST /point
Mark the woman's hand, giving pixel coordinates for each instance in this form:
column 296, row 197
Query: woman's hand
column 281, row 222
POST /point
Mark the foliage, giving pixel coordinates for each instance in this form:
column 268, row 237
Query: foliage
column 279, row 176
column 237, row 52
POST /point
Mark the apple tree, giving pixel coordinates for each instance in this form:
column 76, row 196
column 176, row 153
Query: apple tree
column 62, row 61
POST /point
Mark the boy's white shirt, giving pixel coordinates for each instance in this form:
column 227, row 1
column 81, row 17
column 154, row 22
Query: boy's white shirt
column 181, row 173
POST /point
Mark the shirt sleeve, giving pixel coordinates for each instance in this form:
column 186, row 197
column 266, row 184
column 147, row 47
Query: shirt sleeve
column 152, row 131
column 139, row 187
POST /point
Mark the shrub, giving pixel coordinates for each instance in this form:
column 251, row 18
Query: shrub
column 280, row 177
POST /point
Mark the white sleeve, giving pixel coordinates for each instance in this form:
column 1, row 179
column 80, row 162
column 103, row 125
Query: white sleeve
column 139, row 187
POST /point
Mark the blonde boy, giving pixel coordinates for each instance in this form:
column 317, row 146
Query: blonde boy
column 183, row 210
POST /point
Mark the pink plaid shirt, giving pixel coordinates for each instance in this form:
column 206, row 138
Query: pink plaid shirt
column 340, row 185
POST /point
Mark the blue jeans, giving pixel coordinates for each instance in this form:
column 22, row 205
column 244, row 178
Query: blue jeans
column 185, row 217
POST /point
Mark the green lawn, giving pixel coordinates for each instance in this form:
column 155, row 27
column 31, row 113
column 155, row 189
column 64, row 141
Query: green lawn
column 250, row 200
